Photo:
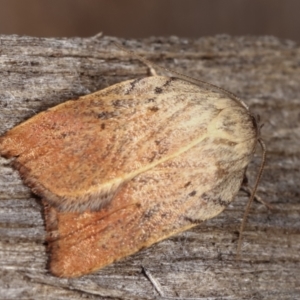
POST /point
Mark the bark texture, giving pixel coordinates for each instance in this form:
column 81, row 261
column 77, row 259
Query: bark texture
column 38, row 73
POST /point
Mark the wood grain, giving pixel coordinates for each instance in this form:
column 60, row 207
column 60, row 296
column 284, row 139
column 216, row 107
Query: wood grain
column 200, row 263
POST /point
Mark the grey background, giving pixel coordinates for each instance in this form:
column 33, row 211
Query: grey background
column 143, row 18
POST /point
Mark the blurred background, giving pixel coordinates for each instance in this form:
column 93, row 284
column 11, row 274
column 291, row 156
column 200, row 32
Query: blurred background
column 144, row 18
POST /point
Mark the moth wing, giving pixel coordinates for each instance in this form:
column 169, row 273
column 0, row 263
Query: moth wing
column 77, row 155
column 169, row 198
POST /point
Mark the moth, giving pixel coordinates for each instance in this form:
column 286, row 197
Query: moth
column 130, row 165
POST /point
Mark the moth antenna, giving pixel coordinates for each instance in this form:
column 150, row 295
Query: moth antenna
column 251, row 198
column 181, row 76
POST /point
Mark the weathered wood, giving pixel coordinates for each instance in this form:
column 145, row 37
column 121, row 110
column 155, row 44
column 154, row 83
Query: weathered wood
column 200, row 263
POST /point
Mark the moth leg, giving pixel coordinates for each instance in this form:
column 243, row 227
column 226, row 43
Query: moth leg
column 248, row 191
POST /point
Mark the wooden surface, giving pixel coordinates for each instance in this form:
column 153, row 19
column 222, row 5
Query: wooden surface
column 200, row 263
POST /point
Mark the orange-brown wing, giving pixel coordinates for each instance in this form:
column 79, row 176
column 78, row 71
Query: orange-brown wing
column 77, row 155
column 171, row 197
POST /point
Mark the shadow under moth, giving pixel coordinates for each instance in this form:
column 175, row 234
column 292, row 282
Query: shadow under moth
column 130, row 165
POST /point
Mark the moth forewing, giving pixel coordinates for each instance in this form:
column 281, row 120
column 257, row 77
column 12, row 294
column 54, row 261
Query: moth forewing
column 120, row 132
column 130, row 165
